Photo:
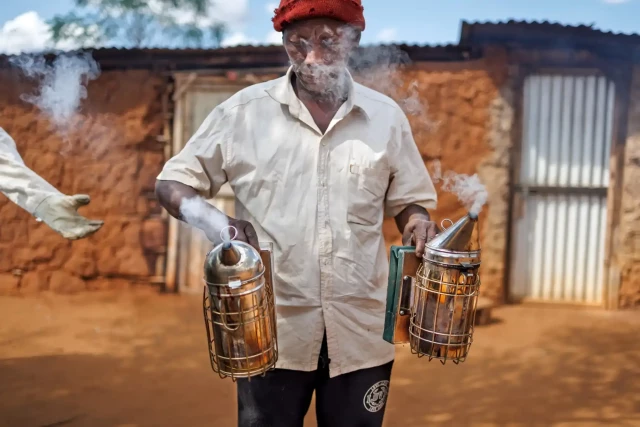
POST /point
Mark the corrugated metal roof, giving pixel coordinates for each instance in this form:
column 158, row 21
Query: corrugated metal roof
column 250, row 56
column 549, row 25
column 541, row 32
column 474, row 35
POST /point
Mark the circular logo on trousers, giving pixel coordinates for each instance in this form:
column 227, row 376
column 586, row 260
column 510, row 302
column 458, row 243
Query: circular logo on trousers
column 376, row 396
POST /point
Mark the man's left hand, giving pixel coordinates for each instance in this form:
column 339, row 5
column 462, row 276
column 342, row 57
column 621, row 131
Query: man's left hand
column 418, row 232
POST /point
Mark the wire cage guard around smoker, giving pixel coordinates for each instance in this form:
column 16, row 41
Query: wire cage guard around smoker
column 443, row 309
column 445, row 294
column 239, row 311
column 432, row 301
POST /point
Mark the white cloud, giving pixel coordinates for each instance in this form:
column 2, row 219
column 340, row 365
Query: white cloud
column 387, row 35
column 29, row 33
column 274, row 37
column 234, row 14
column 615, row 1
column 237, row 39
column 270, row 7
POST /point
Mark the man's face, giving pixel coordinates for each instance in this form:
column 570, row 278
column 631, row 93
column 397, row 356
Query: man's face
column 318, row 50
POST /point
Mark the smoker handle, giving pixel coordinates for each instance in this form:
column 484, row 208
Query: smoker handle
column 403, row 266
column 408, row 265
column 406, row 290
column 267, row 255
column 411, row 269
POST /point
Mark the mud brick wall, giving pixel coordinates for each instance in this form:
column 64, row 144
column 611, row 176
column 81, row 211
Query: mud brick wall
column 628, row 254
column 463, row 120
column 114, row 156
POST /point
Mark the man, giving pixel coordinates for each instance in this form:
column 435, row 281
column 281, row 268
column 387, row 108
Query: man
column 35, row 195
column 315, row 162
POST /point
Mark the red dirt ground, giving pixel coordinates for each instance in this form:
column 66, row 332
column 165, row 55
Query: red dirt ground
column 138, row 359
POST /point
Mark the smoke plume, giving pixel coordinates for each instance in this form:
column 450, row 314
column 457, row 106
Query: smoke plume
column 470, row 191
column 377, row 67
column 61, row 84
column 381, row 68
column 327, row 79
column 200, row 214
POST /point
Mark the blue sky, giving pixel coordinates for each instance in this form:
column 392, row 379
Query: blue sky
column 412, row 21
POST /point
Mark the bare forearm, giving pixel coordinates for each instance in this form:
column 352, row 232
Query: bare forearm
column 409, row 213
column 171, row 195
column 200, row 214
column 19, row 183
column 185, row 204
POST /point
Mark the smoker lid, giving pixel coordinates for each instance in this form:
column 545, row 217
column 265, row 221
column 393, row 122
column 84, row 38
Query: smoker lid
column 230, row 263
column 459, row 237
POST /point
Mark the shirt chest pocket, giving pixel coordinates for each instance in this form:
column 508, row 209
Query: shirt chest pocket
column 367, row 187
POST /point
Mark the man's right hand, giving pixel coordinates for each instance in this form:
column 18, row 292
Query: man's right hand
column 246, row 232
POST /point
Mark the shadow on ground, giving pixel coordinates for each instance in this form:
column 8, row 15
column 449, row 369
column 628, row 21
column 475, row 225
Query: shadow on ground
column 142, row 361
column 554, row 373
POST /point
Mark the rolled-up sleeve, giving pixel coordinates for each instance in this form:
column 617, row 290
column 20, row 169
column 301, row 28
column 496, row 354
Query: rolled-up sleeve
column 20, row 184
column 410, row 183
column 201, row 163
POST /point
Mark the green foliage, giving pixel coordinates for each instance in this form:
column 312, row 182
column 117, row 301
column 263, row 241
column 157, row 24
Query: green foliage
column 138, row 23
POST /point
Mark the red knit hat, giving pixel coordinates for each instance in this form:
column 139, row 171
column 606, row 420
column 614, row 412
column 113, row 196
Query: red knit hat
column 348, row 11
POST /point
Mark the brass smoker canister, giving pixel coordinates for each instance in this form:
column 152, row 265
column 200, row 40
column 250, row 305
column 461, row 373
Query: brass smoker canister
column 431, row 303
column 239, row 310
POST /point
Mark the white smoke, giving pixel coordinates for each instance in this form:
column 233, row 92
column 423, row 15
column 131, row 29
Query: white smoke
column 383, row 71
column 61, row 84
column 381, row 68
column 200, row 214
column 326, row 79
column 470, row 191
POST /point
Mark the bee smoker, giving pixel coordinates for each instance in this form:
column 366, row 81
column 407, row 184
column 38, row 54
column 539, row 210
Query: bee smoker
column 239, row 310
column 431, row 303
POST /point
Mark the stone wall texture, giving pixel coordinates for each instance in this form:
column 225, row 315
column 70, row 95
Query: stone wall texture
column 459, row 113
column 114, row 156
column 628, row 254
column 461, row 117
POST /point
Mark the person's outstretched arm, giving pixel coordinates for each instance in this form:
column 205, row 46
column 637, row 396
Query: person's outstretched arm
column 34, row 194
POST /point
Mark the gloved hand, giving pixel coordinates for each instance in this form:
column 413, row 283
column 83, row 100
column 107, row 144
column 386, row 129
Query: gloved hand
column 60, row 213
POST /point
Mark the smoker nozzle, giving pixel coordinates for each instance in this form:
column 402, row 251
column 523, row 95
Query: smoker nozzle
column 460, row 236
column 229, row 255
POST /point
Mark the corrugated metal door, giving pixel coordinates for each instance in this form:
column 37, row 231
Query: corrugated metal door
column 560, row 201
column 192, row 243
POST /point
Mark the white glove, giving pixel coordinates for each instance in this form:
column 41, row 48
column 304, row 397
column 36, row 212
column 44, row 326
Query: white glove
column 60, row 213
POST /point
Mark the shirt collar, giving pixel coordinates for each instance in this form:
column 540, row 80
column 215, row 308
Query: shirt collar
column 282, row 91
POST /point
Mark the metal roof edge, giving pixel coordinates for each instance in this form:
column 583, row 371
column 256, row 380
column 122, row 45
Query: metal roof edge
column 247, row 56
column 522, row 29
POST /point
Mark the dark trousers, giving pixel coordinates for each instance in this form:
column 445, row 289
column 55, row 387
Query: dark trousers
column 282, row 397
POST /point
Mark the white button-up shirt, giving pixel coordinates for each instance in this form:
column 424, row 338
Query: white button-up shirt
column 320, row 200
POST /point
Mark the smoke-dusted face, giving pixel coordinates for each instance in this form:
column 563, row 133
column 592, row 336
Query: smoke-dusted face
column 318, row 50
